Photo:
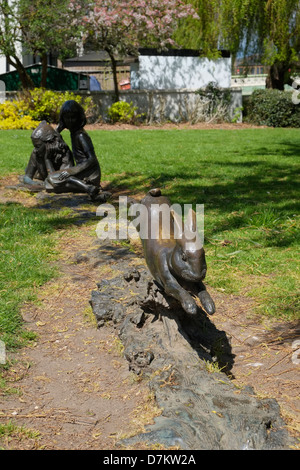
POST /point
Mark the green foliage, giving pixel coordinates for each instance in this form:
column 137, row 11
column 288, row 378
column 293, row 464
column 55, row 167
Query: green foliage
column 43, row 104
column 270, row 29
column 237, row 114
column 124, row 112
column 39, row 28
column 10, row 38
column 48, row 26
column 201, row 33
column 273, row 108
column 33, row 106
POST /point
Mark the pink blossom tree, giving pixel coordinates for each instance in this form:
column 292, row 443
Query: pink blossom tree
column 121, row 27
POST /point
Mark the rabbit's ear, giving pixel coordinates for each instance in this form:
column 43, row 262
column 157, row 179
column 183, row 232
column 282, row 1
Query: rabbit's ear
column 190, row 226
column 178, row 225
column 191, row 222
column 191, row 234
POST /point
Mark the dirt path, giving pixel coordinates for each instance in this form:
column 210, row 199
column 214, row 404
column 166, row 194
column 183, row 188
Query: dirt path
column 74, row 389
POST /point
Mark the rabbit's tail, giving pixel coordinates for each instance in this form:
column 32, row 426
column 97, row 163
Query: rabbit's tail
column 155, row 192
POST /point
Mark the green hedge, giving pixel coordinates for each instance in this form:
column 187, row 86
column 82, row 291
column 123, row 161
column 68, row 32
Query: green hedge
column 273, row 108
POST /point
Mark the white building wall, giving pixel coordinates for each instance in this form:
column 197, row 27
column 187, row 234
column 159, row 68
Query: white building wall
column 155, row 72
column 2, row 64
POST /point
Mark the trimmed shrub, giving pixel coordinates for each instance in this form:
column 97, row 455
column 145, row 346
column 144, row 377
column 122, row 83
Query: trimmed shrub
column 273, row 108
column 124, row 112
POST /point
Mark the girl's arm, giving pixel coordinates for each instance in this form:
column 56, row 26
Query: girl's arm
column 86, row 146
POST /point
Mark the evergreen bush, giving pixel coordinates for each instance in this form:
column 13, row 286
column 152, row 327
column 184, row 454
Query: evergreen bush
column 273, row 108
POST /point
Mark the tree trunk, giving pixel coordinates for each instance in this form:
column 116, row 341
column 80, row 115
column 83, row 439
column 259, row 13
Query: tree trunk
column 278, row 76
column 44, row 71
column 115, row 78
column 26, row 80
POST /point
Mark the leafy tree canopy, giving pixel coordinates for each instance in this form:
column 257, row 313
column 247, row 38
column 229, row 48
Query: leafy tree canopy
column 48, row 26
column 38, row 27
column 121, row 27
column 268, row 28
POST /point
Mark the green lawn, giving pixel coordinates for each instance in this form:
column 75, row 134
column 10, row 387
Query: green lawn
column 248, row 181
column 28, row 248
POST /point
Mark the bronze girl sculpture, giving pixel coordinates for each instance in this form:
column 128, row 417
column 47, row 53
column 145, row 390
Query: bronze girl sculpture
column 85, row 175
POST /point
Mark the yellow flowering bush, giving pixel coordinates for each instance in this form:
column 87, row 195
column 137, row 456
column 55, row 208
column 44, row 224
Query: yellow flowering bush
column 37, row 105
column 12, row 117
column 42, row 104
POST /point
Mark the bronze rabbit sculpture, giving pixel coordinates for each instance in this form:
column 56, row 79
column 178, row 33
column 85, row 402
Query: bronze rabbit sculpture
column 177, row 263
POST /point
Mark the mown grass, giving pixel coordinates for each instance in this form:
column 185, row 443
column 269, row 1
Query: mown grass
column 247, row 180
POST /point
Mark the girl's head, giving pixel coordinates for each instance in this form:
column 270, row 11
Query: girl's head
column 72, row 116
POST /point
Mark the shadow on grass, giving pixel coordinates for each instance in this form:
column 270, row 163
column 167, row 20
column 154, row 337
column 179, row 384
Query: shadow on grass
column 47, row 217
column 252, row 193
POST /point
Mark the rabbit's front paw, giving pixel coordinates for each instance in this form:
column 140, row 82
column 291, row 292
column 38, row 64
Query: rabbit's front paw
column 190, row 306
column 207, row 302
